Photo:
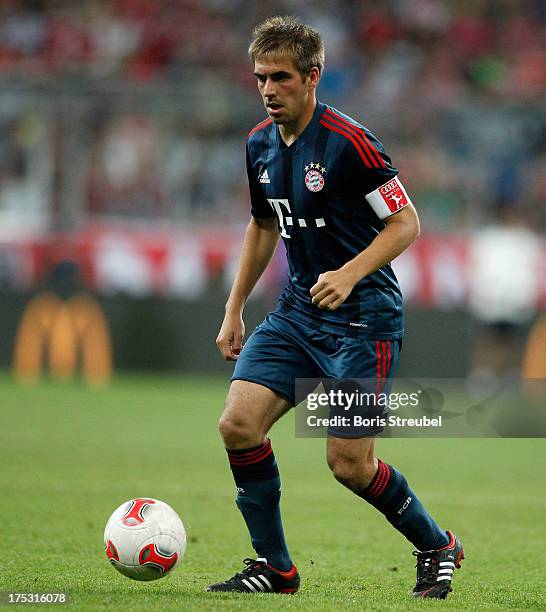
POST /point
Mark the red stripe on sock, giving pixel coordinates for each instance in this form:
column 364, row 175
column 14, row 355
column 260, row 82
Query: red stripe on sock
column 249, row 453
column 385, row 482
column 380, row 475
column 241, row 462
column 377, row 476
column 380, row 480
column 252, row 456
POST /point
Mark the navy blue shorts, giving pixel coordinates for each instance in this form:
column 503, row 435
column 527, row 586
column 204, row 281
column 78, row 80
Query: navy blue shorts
column 284, row 348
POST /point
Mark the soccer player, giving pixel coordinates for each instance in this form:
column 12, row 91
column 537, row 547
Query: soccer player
column 324, row 184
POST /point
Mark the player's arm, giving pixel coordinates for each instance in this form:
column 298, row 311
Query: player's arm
column 401, row 229
column 399, row 232
column 260, row 241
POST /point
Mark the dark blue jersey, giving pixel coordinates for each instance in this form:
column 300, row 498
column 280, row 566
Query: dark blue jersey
column 330, row 191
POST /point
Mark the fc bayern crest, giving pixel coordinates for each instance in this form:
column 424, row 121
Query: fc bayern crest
column 314, row 179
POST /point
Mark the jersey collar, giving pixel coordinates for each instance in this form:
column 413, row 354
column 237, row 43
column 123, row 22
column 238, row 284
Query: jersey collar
column 309, row 130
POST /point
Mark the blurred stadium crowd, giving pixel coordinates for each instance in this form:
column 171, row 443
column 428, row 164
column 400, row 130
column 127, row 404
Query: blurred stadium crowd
column 137, row 109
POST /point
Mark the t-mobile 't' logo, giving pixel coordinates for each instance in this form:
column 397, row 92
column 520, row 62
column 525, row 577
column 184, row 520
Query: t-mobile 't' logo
column 282, row 205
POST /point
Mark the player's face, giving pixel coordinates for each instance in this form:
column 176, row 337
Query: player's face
column 284, row 91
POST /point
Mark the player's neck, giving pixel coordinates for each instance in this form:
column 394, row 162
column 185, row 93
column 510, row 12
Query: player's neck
column 290, row 131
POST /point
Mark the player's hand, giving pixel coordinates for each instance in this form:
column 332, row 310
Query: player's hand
column 230, row 336
column 332, row 289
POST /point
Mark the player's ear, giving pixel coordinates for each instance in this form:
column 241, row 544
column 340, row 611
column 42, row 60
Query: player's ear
column 313, row 77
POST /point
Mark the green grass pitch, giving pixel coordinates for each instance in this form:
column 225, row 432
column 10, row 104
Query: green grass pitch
column 69, row 456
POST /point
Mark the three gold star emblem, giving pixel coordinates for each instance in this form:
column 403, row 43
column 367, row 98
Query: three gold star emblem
column 316, row 166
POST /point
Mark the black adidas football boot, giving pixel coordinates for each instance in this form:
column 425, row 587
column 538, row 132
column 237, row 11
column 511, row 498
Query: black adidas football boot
column 259, row 577
column 435, row 569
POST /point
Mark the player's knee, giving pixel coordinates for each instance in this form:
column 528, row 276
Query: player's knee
column 344, row 467
column 353, row 471
column 237, row 432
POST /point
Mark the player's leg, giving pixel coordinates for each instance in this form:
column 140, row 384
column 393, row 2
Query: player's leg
column 352, row 460
column 250, row 411
column 439, row 552
column 354, row 465
column 262, row 391
column 365, row 368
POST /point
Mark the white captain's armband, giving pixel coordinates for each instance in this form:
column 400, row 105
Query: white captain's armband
column 388, row 199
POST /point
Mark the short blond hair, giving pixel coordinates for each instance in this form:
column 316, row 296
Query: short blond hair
column 288, row 36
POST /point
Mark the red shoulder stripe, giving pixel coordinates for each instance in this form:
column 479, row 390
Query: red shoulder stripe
column 371, row 162
column 362, row 134
column 358, row 135
column 259, row 127
column 262, row 123
column 349, row 137
column 364, row 139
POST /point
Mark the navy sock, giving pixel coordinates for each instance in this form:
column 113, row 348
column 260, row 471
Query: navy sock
column 390, row 493
column 258, row 498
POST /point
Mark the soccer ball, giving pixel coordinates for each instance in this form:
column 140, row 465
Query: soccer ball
column 144, row 539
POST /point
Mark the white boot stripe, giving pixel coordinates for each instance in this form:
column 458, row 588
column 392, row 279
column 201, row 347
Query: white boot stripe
column 257, row 583
column 447, row 563
column 443, row 578
column 249, row 585
column 445, row 571
column 266, row 581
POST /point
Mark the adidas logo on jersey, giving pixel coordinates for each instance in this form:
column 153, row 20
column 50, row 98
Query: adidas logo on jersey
column 264, row 177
